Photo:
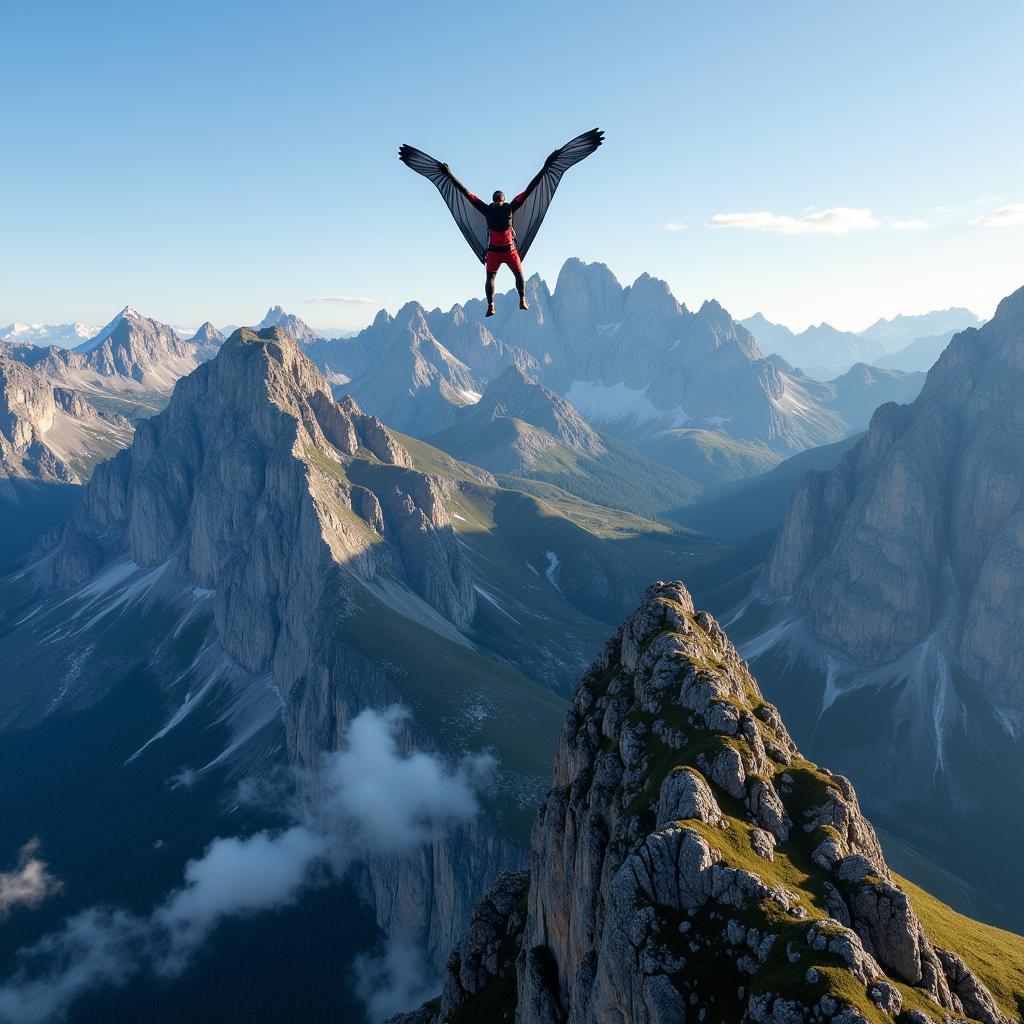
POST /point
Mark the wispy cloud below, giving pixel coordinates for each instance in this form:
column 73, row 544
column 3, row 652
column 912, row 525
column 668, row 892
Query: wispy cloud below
column 29, row 883
column 1006, row 216
column 378, row 799
column 345, row 300
column 837, row 220
column 672, row 226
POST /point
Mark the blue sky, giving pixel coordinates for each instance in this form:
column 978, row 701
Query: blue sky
column 204, row 160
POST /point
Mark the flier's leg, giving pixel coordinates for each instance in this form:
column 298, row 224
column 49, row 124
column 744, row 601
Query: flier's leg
column 489, row 291
column 516, row 266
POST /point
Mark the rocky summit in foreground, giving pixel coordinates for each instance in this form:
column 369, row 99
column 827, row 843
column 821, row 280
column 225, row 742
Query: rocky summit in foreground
column 689, row 865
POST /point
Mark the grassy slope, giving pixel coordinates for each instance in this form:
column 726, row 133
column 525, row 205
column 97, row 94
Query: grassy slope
column 620, row 478
column 997, row 956
column 747, row 507
column 470, row 700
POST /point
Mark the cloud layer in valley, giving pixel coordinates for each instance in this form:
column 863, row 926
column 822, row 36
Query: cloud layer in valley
column 378, row 799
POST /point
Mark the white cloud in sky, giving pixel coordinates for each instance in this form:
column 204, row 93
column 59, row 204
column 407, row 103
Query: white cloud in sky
column 1004, row 217
column 29, row 883
column 673, row 226
column 378, row 800
column 915, row 224
column 987, row 199
column 837, row 220
column 348, row 300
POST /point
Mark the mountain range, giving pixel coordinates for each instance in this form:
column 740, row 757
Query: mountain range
column 689, row 390
column 432, row 526
column 909, row 343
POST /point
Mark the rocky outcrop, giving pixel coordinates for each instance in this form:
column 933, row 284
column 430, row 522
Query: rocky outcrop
column 689, row 864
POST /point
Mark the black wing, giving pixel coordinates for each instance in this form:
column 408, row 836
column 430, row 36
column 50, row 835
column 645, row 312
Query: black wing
column 527, row 219
column 471, row 221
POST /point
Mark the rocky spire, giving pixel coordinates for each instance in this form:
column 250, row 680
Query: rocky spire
column 690, row 864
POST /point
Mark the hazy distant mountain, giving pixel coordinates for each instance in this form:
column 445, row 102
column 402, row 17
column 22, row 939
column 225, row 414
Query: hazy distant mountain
column 518, row 425
column 821, row 351
column 901, row 330
column 298, row 329
column 207, row 340
column 890, row 615
column 64, row 335
column 919, row 355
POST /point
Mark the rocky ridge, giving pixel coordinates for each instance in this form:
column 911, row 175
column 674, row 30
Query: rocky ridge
column 690, row 865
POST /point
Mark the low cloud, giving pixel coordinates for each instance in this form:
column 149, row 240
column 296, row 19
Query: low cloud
column 1004, row 217
column 672, row 226
column 347, row 300
column 838, row 220
column 394, row 801
column 29, row 883
column 908, row 225
column 394, row 981
column 378, row 799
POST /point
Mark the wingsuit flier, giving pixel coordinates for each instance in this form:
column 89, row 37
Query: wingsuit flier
column 500, row 232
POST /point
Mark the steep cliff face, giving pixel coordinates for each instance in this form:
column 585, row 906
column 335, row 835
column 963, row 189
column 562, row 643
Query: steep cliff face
column 689, row 864
column 241, row 482
column 926, row 512
column 896, row 578
column 234, row 511
column 51, row 433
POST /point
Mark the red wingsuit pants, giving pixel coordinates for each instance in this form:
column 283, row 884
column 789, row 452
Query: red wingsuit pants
column 496, row 259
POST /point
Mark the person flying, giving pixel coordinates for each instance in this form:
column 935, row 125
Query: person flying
column 500, row 232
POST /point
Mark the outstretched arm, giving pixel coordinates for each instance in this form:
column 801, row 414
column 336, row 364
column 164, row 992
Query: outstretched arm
column 475, row 200
column 535, row 181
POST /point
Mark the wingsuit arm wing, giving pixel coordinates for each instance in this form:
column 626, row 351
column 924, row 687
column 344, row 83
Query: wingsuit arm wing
column 465, row 207
column 530, row 206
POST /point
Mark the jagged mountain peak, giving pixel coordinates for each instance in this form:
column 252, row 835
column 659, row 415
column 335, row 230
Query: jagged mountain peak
column 277, row 317
column 207, row 332
column 688, row 860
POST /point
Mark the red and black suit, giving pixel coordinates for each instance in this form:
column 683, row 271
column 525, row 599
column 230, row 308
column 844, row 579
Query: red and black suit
column 502, row 234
